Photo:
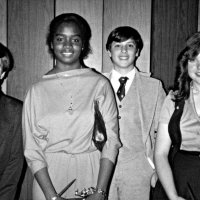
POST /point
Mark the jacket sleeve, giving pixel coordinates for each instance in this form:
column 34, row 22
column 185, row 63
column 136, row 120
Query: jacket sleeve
column 11, row 175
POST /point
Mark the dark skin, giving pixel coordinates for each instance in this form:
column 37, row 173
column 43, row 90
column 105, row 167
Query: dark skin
column 67, row 45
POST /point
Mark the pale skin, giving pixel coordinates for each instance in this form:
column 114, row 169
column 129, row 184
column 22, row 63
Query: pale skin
column 67, row 45
column 123, row 55
column 163, row 140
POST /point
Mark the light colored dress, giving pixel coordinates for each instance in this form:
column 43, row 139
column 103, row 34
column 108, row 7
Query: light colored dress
column 58, row 120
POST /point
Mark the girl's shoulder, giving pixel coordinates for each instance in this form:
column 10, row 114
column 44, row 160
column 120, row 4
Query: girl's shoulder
column 169, row 101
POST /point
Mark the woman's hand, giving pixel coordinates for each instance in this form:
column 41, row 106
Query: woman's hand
column 96, row 196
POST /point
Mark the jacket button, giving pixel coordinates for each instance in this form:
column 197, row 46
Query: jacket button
column 119, row 117
column 120, row 106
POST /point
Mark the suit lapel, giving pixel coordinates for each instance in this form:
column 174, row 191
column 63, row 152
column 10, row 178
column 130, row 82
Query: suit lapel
column 147, row 104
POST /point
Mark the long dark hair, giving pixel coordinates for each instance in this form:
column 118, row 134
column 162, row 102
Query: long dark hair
column 189, row 53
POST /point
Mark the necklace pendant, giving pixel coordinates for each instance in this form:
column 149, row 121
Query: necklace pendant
column 70, row 110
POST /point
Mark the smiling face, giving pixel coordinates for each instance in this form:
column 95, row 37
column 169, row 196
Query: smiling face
column 194, row 70
column 123, row 55
column 67, row 45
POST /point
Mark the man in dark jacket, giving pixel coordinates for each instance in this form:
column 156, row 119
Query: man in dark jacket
column 11, row 149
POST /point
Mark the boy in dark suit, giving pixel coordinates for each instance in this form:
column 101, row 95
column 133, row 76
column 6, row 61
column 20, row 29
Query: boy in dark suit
column 139, row 98
column 11, row 149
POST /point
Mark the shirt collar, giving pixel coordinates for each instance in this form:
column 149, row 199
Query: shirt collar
column 116, row 75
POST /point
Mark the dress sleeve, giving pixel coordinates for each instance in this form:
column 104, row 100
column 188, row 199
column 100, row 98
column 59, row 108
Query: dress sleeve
column 160, row 99
column 167, row 109
column 34, row 138
column 108, row 108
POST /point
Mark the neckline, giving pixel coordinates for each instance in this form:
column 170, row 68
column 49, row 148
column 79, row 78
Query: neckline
column 69, row 73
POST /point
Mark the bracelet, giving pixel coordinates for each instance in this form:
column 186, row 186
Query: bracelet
column 100, row 191
column 54, row 198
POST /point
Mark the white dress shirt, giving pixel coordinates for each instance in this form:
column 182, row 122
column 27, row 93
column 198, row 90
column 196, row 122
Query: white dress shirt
column 115, row 75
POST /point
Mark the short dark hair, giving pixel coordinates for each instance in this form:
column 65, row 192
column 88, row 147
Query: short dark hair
column 189, row 53
column 123, row 33
column 5, row 52
column 83, row 26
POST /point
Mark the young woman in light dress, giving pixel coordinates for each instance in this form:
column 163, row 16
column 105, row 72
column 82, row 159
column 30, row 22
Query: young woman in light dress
column 58, row 118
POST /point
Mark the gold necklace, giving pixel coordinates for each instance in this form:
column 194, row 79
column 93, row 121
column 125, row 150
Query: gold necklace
column 70, row 109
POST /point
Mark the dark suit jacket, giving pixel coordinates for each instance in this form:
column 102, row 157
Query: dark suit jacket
column 11, row 148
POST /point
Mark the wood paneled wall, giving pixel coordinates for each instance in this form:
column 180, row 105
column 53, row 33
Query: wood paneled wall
column 163, row 25
column 163, row 34
column 172, row 22
column 27, row 27
column 3, row 29
column 3, row 20
column 135, row 13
